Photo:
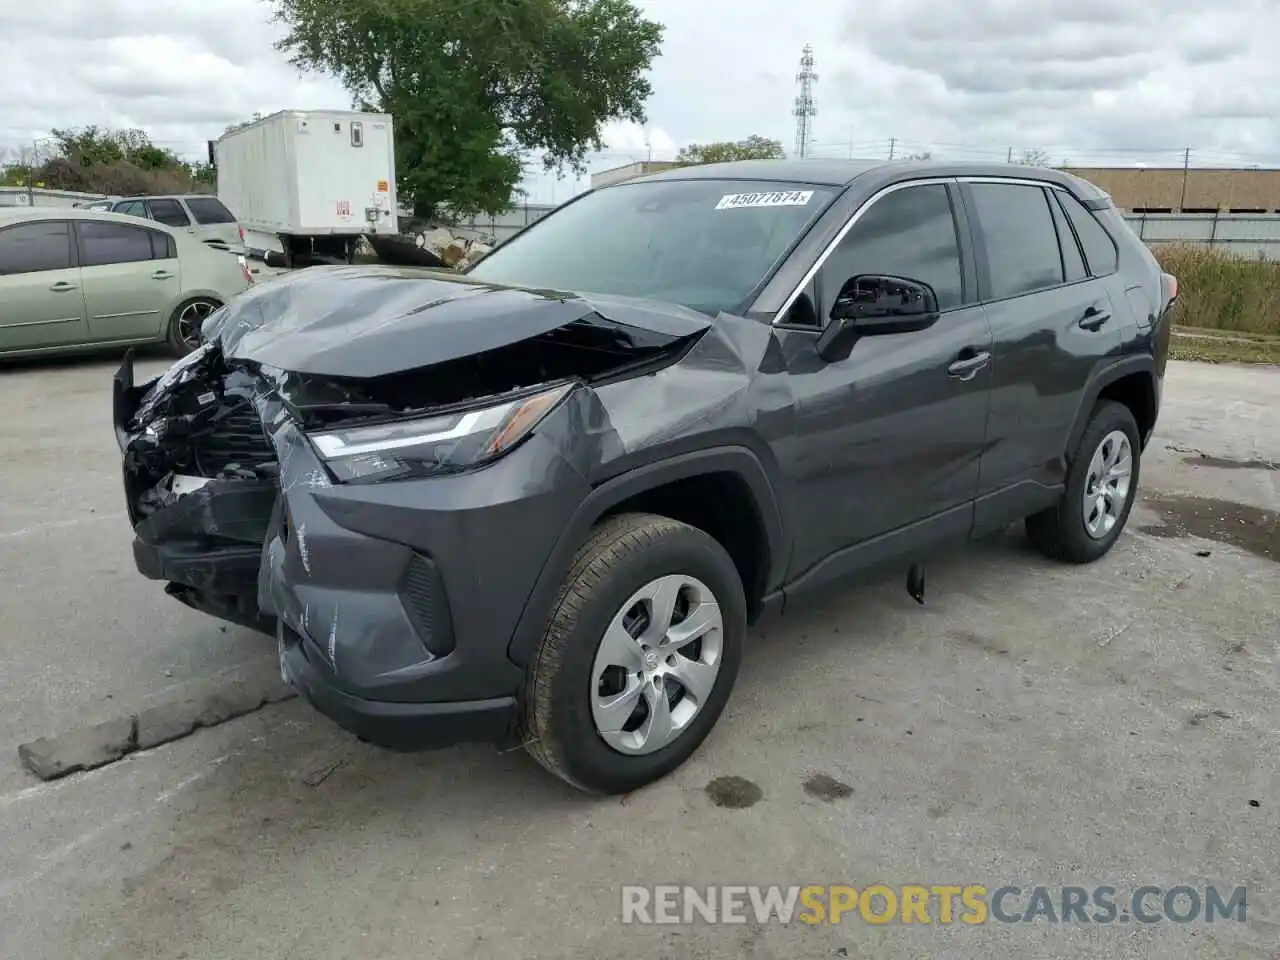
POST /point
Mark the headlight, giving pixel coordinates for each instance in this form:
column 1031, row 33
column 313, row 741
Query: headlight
column 428, row 445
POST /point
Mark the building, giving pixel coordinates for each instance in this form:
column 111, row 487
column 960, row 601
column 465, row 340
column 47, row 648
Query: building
column 1196, row 190
column 1137, row 189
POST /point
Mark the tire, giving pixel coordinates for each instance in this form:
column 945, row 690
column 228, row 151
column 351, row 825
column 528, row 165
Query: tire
column 179, row 323
column 1063, row 532
column 624, row 556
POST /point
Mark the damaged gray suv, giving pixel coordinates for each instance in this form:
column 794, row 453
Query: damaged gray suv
column 541, row 502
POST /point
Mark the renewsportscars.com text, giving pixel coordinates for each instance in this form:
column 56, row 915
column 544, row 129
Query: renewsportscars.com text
column 970, row 904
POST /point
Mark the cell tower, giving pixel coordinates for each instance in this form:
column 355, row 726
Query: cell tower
column 804, row 109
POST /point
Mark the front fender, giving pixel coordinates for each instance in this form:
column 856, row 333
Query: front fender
column 738, row 460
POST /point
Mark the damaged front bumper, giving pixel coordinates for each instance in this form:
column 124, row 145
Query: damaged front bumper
column 393, row 604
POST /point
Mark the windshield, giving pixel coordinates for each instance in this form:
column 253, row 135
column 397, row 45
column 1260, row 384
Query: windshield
column 704, row 244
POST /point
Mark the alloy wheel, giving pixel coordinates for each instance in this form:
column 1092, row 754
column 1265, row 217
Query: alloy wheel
column 191, row 320
column 657, row 664
column 1106, row 490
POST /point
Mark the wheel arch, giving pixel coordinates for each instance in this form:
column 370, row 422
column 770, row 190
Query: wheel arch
column 638, row 489
column 1130, row 381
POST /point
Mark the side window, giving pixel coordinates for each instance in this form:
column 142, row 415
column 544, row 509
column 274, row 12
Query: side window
column 169, row 212
column 1099, row 248
column 102, row 244
column 908, row 233
column 133, row 208
column 162, row 246
column 1022, row 246
column 1072, row 261
column 209, row 210
column 35, row 247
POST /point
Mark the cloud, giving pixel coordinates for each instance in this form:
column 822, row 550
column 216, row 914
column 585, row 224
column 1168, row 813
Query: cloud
column 1100, row 81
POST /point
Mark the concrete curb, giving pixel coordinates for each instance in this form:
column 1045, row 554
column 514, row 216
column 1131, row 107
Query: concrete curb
column 207, row 704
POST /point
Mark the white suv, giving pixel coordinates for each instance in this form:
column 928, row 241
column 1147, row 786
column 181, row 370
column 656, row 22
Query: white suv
column 202, row 215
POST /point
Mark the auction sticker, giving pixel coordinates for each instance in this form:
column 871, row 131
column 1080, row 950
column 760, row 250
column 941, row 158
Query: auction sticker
column 779, row 198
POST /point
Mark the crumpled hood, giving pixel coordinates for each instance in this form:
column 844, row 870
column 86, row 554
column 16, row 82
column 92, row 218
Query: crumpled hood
column 368, row 321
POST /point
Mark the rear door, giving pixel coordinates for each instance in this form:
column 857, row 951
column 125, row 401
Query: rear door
column 1052, row 323
column 130, row 277
column 41, row 301
column 214, row 223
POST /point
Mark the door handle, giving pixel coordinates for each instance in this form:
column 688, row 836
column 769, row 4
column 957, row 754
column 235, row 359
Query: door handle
column 966, row 368
column 162, row 275
column 62, row 286
column 1093, row 319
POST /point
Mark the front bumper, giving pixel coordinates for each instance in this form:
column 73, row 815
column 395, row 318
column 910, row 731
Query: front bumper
column 395, row 603
column 395, row 726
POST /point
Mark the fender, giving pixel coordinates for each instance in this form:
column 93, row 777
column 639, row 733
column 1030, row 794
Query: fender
column 1103, row 377
column 741, row 461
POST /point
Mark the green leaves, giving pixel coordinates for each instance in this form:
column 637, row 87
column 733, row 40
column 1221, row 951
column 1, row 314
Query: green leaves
column 473, row 84
column 753, row 148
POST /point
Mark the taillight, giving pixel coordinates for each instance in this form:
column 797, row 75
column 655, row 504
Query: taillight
column 244, row 268
column 1170, row 286
column 241, row 229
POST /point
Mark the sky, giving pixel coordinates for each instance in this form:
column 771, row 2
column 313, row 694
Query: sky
column 1089, row 82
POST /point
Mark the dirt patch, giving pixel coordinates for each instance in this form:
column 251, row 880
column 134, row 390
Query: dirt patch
column 734, row 793
column 826, row 788
column 1251, row 529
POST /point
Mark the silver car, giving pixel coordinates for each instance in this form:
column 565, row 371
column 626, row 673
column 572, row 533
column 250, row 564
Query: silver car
column 72, row 279
column 201, row 215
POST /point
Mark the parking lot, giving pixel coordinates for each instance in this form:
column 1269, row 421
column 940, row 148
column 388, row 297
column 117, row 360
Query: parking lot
column 1030, row 724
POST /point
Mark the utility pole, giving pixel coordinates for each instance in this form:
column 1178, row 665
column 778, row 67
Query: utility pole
column 31, row 173
column 1009, row 158
column 893, row 142
column 1186, row 166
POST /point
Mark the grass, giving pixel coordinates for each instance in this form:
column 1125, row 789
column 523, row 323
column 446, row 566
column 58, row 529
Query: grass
column 1223, row 292
column 1215, row 347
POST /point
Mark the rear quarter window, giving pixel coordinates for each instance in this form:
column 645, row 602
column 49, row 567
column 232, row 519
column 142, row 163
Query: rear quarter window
column 209, row 210
column 1099, row 248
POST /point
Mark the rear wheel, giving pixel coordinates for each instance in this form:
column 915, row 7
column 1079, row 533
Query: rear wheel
column 639, row 657
column 1102, row 482
column 187, row 321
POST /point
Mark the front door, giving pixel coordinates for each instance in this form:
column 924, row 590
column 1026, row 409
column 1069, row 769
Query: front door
column 882, row 455
column 41, row 301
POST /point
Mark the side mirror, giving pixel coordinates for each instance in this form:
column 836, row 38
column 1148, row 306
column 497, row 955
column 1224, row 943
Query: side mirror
column 869, row 305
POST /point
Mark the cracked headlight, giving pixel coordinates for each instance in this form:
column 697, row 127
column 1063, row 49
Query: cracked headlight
column 423, row 446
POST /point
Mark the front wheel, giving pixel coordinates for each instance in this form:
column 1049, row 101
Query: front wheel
column 1102, row 482
column 639, row 656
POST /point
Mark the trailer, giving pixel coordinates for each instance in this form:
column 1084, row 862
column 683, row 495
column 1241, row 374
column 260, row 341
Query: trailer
column 307, row 184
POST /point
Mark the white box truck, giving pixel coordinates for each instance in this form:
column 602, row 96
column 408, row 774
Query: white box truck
column 307, row 184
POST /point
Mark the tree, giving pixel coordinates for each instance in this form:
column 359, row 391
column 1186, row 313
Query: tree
column 920, row 155
column 1034, row 158
column 753, row 148
column 472, row 86
column 96, row 160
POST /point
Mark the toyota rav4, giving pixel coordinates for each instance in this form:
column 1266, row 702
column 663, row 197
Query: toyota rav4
column 541, row 502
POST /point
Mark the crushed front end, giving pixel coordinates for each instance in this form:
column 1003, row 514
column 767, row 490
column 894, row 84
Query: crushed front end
column 386, row 515
column 201, row 480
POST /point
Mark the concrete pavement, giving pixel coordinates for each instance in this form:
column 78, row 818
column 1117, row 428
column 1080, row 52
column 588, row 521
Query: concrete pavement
column 1032, row 723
